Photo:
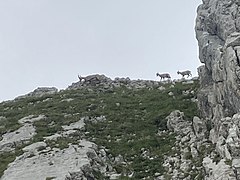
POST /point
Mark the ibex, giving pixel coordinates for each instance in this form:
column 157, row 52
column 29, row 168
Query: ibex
column 164, row 75
column 81, row 78
column 185, row 73
column 89, row 79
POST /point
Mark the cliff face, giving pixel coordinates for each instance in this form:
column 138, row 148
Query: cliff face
column 218, row 34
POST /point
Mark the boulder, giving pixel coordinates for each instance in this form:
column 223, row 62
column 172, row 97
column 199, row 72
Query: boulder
column 177, row 124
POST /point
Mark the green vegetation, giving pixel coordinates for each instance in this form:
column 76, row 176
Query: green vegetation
column 8, row 157
column 133, row 119
column 5, row 159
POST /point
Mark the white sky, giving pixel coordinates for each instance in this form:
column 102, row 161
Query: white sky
column 50, row 42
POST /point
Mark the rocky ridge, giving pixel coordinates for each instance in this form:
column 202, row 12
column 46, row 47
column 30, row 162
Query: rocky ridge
column 107, row 83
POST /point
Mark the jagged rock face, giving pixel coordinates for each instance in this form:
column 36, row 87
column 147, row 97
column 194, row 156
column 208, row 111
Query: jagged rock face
column 219, row 161
column 218, row 34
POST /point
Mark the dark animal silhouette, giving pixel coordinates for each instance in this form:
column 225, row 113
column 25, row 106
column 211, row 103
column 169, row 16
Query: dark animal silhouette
column 164, row 75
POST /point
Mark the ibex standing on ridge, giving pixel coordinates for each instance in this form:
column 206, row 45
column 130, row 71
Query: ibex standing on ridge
column 81, row 78
column 185, row 73
column 164, row 75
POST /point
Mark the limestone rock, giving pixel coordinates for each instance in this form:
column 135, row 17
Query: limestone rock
column 226, row 136
column 161, row 88
column 41, row 91
column 217, row 171
column 35, row 146
column 21, row 136
column 236, row 167
column 107, row 84
column 176, row 123
column 217, row 30
column 218, row 34
column 31, row 119
column 77, row 125
column 56, row 163
column 199, row 127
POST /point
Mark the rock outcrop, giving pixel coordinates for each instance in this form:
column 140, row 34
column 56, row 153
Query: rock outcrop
column 104, row 82
column 198, row 155
column 21, row 136
column 39, row 92
column 48, row 163
column 46, row 160
column 218, row 34
column 190, row 140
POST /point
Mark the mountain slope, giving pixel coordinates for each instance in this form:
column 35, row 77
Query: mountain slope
column 120, row 126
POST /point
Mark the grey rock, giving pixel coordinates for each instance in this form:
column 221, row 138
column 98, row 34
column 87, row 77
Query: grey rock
column 236, row 167
column 185, row 166
column 218, row 34
column 170, row 94
column 119, row 159
column 106, row 84
column 176, row 123
column 194, row 151
column 38, row 159
column 217, row 171
column 53, row 137
column 35, row 147
column 161, row 88
column 56, row 163
column 41, row 91
column 226, row 136
column 199, row 127
column 31, row 119
column 114, row 176
column 21, row 136
column 77, row 125
column 188, row 82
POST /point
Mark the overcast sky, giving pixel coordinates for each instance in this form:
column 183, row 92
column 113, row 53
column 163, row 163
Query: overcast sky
column 50, row 42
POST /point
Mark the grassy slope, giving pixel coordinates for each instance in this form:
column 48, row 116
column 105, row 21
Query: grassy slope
column 133, row 120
